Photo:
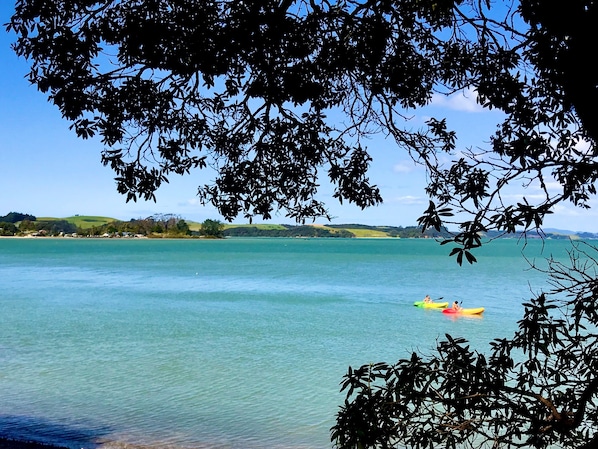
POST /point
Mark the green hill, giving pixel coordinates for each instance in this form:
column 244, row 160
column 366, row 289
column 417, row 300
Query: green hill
column 329, row 230
column 82, row 221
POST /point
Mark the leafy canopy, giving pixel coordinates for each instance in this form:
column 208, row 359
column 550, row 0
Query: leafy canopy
column 212, row 228
column 276, row 95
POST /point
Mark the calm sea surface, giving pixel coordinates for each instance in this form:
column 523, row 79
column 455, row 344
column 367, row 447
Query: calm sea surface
column 239, row 343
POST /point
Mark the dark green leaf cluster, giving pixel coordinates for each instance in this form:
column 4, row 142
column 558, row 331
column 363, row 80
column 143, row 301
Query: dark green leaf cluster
column 549, row 132
column 212, row 229
column 8, row 228
column 538, row 389
column 15, row 217
column 56, row 227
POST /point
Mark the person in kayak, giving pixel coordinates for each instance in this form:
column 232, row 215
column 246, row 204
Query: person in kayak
column 427, row 299
column 456, row 306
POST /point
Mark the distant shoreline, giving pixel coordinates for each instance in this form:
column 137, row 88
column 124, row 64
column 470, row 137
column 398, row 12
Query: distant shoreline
column 28, row 237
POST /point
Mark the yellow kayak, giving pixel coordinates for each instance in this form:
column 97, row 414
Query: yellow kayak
column 431, row 305
column 469, row 311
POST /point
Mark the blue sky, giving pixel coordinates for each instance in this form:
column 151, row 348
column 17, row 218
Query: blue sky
column 47, row 171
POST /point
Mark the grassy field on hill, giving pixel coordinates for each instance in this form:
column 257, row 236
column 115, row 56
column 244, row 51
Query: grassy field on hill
column 196, row 226
column 363, row 233
column 82, row 221
column 360, row 231
column 267, row 227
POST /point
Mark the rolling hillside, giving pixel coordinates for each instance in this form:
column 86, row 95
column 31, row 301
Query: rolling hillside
column 82, row 221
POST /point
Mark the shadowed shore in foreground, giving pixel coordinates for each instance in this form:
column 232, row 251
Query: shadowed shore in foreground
column 6, row 443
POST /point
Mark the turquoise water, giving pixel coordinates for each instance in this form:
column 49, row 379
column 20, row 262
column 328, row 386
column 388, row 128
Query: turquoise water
column 240, row 343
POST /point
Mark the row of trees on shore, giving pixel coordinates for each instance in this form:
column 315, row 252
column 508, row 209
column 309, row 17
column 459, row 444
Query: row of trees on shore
column 173, row 226
column 156, row 226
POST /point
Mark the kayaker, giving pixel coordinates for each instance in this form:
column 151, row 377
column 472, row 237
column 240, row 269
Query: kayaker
column 456, row 305
column 427, row 299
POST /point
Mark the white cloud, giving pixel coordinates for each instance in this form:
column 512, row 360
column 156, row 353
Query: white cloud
column 518, row 197
column 408, row 199
column 192, row 202
column 465, row 100
column 570, row 210
column 403, row 167
column 567, row 216
column 554, row 186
